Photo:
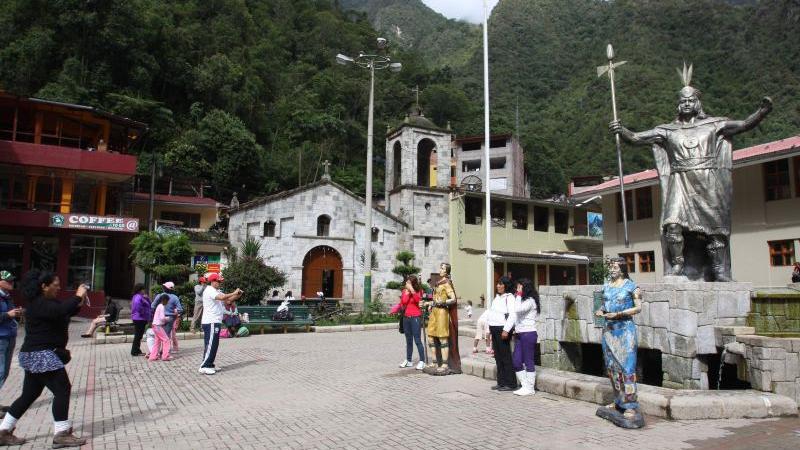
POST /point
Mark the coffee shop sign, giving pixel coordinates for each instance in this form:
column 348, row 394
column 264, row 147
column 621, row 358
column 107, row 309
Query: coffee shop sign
column 90, row 222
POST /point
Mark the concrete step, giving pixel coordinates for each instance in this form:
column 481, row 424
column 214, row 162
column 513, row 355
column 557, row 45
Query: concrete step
column 673, row 404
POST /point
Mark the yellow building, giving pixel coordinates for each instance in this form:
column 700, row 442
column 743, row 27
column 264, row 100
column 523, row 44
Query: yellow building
column 765, row 222
column 546, row 241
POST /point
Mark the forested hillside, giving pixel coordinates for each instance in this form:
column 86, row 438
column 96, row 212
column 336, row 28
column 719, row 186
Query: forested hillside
column 245, row 93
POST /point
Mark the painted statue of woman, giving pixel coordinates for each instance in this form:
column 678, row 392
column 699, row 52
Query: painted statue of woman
column 621, row 301
column 442, row 329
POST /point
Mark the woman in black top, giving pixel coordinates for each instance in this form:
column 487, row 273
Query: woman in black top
column 43, row 355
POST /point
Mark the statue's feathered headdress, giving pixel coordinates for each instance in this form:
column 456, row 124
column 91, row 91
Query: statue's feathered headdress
column 686, row 79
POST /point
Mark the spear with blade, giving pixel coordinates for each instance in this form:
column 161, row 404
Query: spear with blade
column 602, row 70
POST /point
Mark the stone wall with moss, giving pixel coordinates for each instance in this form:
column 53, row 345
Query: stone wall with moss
column 775, row 314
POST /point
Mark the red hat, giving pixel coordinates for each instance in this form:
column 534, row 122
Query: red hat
column 215, row 277
column 202, row 279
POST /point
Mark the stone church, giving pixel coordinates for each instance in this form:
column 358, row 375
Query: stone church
column 315, row 233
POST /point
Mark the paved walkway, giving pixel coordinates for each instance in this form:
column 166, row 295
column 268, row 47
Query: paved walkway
column 336, row 391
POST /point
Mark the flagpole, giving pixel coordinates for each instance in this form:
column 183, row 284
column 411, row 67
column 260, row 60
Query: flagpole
column 487, row 184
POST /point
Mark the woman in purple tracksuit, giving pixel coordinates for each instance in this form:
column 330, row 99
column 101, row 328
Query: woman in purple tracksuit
column 140, row 314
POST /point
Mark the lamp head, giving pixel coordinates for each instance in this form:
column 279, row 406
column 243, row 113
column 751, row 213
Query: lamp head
column 382, row 43
column 395, row 67
column 343, row 59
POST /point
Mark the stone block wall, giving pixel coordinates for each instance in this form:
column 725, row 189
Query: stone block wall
column 775, row 314
column 677, row 319
column 771, row 364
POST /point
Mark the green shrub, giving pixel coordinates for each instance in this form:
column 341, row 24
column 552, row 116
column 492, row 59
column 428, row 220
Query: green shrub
column 251, row 275
column 394, row 285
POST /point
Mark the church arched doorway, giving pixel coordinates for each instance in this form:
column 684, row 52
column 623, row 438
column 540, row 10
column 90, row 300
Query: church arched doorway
column 322, row 271
column 397, row 165
column 426, row 163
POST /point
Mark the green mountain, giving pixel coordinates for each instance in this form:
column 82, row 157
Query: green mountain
column 413, row 25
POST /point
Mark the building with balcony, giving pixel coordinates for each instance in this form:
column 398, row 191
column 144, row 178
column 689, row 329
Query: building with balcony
column 546, row 241
column 64, row 171
column 182, row 205
column 765, row 219
column 506, row 164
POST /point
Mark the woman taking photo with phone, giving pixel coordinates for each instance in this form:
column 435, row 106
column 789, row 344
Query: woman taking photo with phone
column 43, row 355
column 412, row 321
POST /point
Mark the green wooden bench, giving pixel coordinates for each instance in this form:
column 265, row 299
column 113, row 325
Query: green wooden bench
column 261, row 317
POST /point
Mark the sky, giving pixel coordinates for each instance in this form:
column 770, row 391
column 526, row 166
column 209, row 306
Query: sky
column 469, row 10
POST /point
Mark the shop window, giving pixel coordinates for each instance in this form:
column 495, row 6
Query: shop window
column 497, row 143
column 581, row 225
column 11, row 254
column 6, row 122
column 83, row 198
column 519, row 216
column 561, row 221
column 26, row 124
column 269, row 228
column 776, row 180
column 541, row 219
column 323, row 225
column 87, row 262
column 473, row 210
column 44, row 253
column 644, row 203
column 781, row 253
column 628, row 205
column 498, row 214
column 647, row 262
column 187, row 220
column 562, row 275
column 48, row 193
column 629, row 260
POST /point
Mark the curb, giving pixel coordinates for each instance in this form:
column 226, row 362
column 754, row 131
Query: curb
column 101, row 338
column 673, row 404
column 371, row 327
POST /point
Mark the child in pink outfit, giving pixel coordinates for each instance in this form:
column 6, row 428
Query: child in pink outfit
column 159, row 319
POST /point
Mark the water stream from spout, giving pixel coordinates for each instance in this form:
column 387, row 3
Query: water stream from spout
column 721, row 366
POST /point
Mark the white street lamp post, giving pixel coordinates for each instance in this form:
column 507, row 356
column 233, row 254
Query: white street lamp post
column 372, row 62
column 487, row 182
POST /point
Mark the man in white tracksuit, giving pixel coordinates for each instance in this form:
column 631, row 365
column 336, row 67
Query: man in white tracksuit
column 214, row 303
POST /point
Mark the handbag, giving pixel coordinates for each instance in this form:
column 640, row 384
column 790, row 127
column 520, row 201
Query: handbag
column 283, row 316
column 63, row 354
column 401, row 313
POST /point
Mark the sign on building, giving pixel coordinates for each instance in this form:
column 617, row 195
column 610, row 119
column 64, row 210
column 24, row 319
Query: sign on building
column 91, row 222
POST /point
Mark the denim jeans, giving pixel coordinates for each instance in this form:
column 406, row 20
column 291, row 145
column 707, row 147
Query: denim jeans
column 412, row 327
column 6, row 354
column 168, row 325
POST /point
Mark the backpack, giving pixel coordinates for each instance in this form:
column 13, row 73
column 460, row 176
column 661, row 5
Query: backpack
column 243, row 331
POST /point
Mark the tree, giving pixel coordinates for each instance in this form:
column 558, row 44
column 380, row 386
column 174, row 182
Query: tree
column 404, row 269
column 165, row 255
column 249, row 273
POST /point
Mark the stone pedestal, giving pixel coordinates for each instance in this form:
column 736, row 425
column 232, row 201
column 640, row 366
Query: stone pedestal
column 677, row 319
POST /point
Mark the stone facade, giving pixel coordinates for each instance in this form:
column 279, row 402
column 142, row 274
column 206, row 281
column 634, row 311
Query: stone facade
column 295, row 214
column 676, row 319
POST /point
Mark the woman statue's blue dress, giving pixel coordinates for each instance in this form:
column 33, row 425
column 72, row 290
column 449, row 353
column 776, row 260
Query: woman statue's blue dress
column 620, row 344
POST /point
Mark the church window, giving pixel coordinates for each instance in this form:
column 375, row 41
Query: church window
column 776, row 179
column 269, row 228
column 781, row 253
column 427, row 246
column 644, row 203
column 561, row 220
column 375, row 232
column 323, row 225
column 473, row 210
column 397, row 165
column 252, row 230
column 427, row 208
column 519, row 216
column 541, row 219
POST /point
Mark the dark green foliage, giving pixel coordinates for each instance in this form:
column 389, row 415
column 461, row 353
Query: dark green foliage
column 405, row 268
column 164, row 255
column 249, row 273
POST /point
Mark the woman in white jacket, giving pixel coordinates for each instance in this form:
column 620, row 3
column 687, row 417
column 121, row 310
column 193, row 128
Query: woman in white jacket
column 501, row 318
column 526, row 308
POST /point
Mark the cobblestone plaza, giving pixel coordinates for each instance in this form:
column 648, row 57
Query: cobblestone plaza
column 336, row 391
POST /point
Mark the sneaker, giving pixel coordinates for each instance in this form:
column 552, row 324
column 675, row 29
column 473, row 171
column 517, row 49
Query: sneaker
column 405, row 364
column 207, row 371
column 7, row 438
column 420, row 365
column 67, row 439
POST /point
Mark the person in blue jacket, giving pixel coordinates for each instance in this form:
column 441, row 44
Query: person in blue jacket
column 8, row 326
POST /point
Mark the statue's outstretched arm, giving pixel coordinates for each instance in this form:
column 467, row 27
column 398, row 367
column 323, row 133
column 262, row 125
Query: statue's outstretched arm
column 732, row 127
column 649, row 137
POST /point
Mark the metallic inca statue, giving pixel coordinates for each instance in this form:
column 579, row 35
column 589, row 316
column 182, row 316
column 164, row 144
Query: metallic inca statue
column 694, row 158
